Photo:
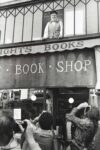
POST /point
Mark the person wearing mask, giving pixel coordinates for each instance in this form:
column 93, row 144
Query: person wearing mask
column 85, row 126
column 54, row 28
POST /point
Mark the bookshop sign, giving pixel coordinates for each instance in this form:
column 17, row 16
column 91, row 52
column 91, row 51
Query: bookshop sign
column 65, row 69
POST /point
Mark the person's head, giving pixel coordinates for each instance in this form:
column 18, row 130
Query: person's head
column 93, row 114
column 6, row 129
column 53, row 16
column 46, row 121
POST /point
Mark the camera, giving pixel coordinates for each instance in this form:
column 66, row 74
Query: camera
column 24, row 124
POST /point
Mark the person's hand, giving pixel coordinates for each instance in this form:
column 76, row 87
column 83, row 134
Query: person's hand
column 82, row 105
column 37, row 118
column 29, row 129
column 43, row 111
column 29, row 136
column 19, row 123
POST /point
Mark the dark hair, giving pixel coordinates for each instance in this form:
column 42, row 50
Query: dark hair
column 6, row 128
column 46, row 121
column 53, row 12
column 93, row 114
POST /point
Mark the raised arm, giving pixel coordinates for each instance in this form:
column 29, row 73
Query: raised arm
column 32, row 144
column 82, row 123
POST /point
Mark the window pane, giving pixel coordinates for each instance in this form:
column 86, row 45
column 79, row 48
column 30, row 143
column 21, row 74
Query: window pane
column 79, row 22
column 99, row 17
column 37, row 25
column 18, row 28
column 27, row 27
column 92, row 26
column 2, row 29
column 9, row 29
column 68, row 22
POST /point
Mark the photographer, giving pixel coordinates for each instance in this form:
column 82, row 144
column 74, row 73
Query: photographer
column 85, row 126
column 43, row 132
column 8, row 130
column 29, row 138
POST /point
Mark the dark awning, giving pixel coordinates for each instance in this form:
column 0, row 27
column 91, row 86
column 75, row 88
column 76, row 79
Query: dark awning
column 64, row 69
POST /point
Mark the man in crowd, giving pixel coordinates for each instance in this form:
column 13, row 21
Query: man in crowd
column 43, row 132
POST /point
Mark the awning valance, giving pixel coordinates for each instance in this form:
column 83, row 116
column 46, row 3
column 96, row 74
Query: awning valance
column 65, row 69
column 61, row 46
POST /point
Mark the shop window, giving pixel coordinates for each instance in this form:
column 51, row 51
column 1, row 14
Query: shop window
column 15, row 95
column 5, row 95
column 0, row 35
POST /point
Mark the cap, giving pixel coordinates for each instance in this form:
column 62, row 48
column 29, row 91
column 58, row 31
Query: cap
column 53, row 12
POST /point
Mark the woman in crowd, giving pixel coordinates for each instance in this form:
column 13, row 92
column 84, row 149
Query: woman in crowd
column 85, row 127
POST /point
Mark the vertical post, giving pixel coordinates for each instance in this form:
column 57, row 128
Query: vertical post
column 93, row 98
column 55, row 106
column 97, row 60
column 44, row 102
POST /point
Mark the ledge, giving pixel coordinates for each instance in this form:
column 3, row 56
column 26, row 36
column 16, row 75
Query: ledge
column 50, row 41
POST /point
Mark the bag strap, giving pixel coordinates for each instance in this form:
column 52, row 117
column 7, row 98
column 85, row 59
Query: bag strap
column 68, row 130
column 54, row 136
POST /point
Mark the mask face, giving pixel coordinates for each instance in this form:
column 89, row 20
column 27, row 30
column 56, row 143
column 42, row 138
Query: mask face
column 53, row 17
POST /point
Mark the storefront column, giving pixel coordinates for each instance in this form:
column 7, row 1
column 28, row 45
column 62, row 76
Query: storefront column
column 49, row 101
column 97, row 60
column 93, row 98
column 97, row 88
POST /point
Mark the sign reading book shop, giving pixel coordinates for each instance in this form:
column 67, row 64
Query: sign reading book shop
column 64, row 69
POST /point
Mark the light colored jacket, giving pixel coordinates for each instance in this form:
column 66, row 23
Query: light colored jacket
column 12, row 145
column 43, row 137
column 53, row 29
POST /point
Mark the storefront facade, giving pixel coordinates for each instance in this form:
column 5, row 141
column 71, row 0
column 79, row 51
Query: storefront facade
column 66, row 67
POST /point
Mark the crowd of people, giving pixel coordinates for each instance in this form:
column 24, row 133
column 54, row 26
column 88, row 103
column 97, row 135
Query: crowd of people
column 38, row 134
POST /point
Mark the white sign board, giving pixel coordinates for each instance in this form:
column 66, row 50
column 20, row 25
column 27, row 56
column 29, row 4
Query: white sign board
column 17, row 114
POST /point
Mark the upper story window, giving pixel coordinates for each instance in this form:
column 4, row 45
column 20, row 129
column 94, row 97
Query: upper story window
column 28, row 23
column 53, row 24
column 74, row 23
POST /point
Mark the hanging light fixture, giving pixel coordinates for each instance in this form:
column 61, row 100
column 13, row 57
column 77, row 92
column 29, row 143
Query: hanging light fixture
column 71, row 100
column 33, row 97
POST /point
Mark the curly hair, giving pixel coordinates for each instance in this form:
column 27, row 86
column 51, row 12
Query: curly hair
column 46, row 121
column 93, row 114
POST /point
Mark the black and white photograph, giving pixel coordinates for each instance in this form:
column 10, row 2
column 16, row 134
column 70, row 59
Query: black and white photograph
column 49, row 74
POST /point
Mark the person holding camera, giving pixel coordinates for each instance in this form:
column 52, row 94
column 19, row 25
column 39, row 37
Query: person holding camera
column 43, row 132
column 29, row 138
column 85, row 126
column 8, row 130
